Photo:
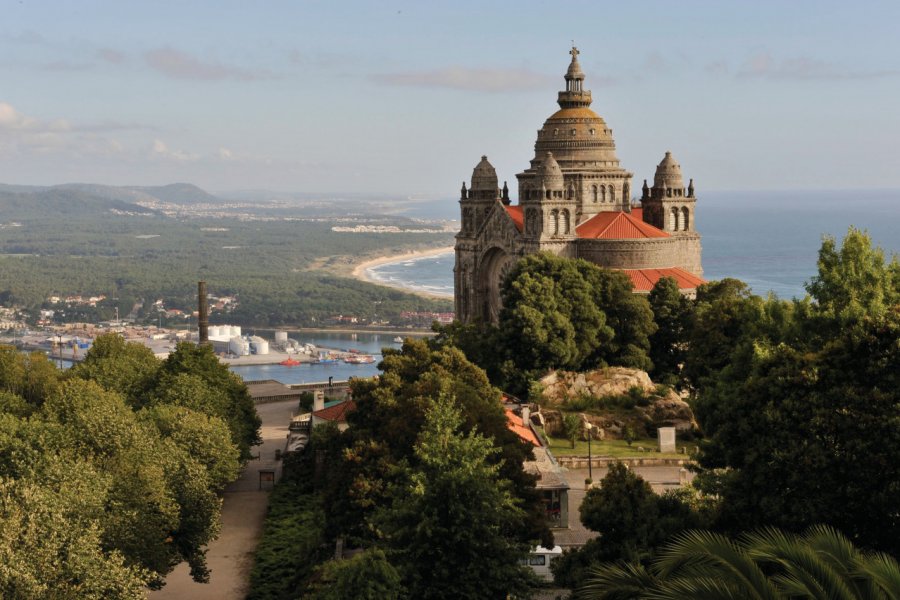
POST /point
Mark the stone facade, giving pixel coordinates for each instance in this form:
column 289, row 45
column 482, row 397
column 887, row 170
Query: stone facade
column 575, row 200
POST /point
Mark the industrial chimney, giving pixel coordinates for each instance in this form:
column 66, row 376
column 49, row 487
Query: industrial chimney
column 202, row 313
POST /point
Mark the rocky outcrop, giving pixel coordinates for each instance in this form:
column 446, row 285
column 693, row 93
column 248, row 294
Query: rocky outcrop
column 654, row 410
column 561, row 386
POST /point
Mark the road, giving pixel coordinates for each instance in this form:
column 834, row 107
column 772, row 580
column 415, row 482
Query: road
column 230, row 557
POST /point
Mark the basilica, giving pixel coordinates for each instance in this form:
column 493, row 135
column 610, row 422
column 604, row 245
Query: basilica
column 575, row 200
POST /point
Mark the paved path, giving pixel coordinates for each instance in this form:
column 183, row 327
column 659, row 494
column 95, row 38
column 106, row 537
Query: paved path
column 230, row 557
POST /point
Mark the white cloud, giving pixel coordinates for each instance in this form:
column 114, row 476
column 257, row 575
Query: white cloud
column 176, row 64
column 159, row 149
column 764, row 65
column 464, row 78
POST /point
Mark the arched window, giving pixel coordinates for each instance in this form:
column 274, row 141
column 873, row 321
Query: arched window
column 626, row 193
column 553, row 223
column 675, row 219
column 570, row 193
column 685, row 218
column 564, row 221
column 603, row 192
column 548, row 194
column 612, row 194
column 594, row 193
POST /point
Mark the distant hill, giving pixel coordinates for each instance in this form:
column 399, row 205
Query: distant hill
column 179, row 193
column 66, row 202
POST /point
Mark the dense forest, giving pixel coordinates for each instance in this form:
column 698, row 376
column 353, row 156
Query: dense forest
column 284, row 270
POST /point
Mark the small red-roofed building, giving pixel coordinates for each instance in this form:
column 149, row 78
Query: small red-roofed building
column 574, row 200
column 551, row 481
column 334, row 412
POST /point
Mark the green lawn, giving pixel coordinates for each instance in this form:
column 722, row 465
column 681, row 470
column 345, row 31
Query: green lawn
column 616, row 448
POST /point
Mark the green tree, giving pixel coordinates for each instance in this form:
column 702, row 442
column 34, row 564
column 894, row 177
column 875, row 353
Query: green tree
column 806, row 437
column 623, row 510
column 48, row 549
column 366, row 576
column 672, row 313
column 217, row 391
column 129, row 368
column 854, row 281
column 769, row 564
column 571, row 427
column 449, row 527
column 801, row 427
column 572, row 314
column 632, row 522
column 389, row 417
column 206, row 439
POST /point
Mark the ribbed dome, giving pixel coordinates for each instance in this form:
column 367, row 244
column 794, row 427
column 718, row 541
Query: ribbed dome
column 549, row 174
column 484, row 177
column 668, row 174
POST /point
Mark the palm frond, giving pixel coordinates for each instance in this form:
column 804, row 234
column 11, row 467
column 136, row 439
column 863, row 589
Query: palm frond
column 703, row 553
column 619, row 581
column 802, row 571
column 698, row 588
column 883, row 571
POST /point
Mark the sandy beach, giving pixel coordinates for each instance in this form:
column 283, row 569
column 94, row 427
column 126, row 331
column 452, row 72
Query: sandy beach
column 361, row 271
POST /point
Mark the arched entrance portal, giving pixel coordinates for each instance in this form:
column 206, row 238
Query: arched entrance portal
column 495, row 264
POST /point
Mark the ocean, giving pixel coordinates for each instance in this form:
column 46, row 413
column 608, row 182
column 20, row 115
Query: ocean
column 769, row 240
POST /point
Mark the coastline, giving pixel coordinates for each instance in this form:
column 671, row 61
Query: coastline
column 361, row 270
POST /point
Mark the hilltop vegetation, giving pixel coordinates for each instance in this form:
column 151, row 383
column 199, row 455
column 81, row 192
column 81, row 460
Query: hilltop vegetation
column 95, row 240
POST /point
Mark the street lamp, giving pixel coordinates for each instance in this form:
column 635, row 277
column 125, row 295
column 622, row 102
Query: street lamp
column 588, row 428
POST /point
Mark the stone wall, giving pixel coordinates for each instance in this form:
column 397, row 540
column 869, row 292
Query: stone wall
column 656, row 253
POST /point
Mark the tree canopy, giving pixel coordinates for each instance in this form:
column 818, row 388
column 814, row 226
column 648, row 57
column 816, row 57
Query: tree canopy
column 107, row 491
column 802, row 414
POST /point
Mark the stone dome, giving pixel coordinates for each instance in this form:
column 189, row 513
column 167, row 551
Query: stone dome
column 668, row 174
column 549, row 174
column 576, row 135
column 484, row 177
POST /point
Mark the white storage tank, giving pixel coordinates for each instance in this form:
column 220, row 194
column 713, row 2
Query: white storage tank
column 235, row 330
column 239, row 346
column 259, row 345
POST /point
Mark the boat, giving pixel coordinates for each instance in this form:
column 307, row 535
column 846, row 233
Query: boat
column 327, row 359
column 289, row 362
column 359, row 359
column 398, row 340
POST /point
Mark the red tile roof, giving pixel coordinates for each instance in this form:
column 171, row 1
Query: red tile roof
column 517, row 426
column 515, row 213
column 617, row 225
column 337, row 412
column 645, row 279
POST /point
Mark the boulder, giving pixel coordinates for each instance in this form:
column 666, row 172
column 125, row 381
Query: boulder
column 561, row 386
column 670, row 411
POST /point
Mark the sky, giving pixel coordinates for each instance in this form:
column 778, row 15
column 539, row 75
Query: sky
column 405, row 97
